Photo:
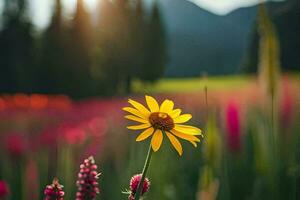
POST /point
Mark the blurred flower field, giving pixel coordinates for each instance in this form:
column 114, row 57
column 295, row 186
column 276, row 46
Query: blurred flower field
column 249, row 151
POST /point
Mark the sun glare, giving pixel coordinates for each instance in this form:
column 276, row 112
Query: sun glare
column 91, row 4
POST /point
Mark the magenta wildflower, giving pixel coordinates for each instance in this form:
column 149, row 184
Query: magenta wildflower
column 4, row 189
column 233, row 126
column 286, row 107
column 134, row 183
column 87, row 180
column 15, row 144
column 54, row 191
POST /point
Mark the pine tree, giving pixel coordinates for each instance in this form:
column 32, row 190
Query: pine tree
column 115, row 43
column 156, row 53
column 79, row 52
column 16, row 48
column 105, row 65
column 53, row 65
column 138, row 37
column 131, row 46
column 124, row 45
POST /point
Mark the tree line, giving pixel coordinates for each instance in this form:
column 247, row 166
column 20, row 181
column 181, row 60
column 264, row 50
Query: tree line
column 80, row 58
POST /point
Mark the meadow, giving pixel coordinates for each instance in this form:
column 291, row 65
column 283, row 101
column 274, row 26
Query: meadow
column 250, row 150
column 88, row 105
column 193, row 84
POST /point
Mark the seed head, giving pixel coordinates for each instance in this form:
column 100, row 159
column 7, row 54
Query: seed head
column 54, row 191
column 87, row 182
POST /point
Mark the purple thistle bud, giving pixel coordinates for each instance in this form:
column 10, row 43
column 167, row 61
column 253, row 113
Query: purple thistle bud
column 134, row 183
column 54, row 191
column 87, row 180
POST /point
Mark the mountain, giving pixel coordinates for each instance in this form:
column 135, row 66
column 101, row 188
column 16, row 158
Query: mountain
column 200, row 42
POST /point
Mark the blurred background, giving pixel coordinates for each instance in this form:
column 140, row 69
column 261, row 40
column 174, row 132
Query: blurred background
column 67, row 67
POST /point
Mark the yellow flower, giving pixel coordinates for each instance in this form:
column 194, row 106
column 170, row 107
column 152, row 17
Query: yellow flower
column 159, row 121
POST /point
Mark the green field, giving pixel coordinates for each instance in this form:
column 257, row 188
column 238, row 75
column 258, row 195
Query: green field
column 170, row 85
column 192, row 84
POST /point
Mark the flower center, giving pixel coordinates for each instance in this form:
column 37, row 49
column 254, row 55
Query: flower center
column 161, row 121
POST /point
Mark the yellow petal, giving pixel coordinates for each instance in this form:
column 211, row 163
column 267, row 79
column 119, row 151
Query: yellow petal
column 137, row 119
column 193, row 143
column 189, row 130
column 152, row 104
column 175, row 142
column 175, row 113
column 139, row 107
column 135, row 112
column 183, row 118
column 185, row 136
column 157, row 140
column 167, row 106
column 138, row 127
column 145, row 134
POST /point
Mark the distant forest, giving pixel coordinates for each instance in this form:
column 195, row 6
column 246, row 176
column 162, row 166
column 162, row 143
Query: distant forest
column 77, row 58
column 171, row 38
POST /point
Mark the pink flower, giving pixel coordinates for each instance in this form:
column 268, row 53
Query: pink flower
column 233, row 126
column 74, row 136
column 134, row 183
column 54, row 191
column 286, row 104
column 4, row 189
column 15, row 144
column 87, row 182
column 48, row 137
column 97, row 126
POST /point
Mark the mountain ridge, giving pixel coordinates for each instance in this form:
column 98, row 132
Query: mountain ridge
column 201, row 42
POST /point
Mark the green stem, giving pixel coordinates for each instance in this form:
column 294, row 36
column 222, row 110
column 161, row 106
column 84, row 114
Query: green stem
column 206, row 102
column 145, row 169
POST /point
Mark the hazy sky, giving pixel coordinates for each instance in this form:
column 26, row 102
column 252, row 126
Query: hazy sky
column 222, row 7
column 41, row 12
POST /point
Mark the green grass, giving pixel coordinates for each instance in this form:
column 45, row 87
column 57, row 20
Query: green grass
column 169, row 85
column 294, row 75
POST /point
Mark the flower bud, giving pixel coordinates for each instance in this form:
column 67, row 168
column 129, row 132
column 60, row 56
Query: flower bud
column 134, row 183
column 54, row 191
column 87, row 182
